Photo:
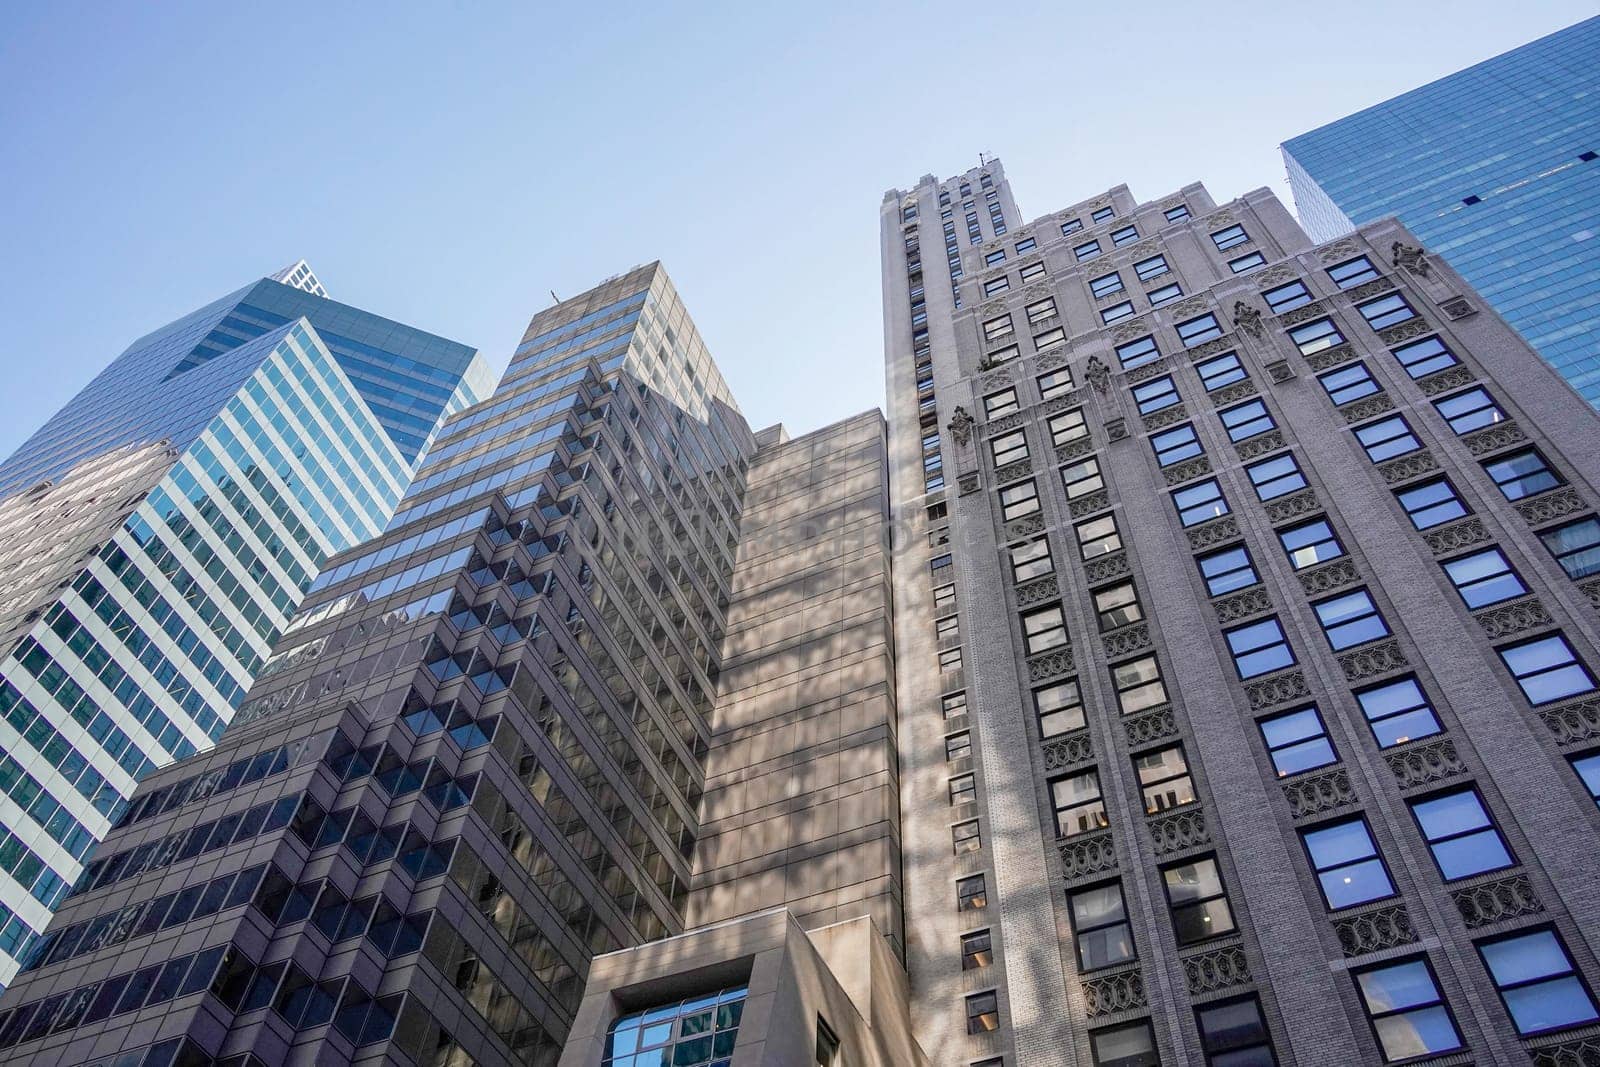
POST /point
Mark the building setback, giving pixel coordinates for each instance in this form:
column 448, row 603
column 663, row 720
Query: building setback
column 158, row 532
column 1496, row 169
column 1246, row 626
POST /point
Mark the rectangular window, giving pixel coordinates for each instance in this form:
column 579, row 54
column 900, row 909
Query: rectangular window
column 1156, row 394
column 1387, row 438
column 1059, row 708
column 1462, row 837
column 963, row 790
column 1027, row 244
column 1352, row 272
column 993, row 259
column 1233, row 1033
column 1129, row 1045
column 1103, row 213
column 1350, row 619
column 976, row 950
column 1106, row 285
column 1071, row 226
column 1165, row 295
column 996, row 285
column 1547, row 669
column 1297, row 741
column 1117, row 606
column 1247, row 262
column 1431, row 504
column 1198, row 902
column 1138, row 353
column 1408, row 1015
column 1259, row 648
column 1100, row 930
column 949, row 660
column 1082, row 478
column 946, row 628
column 1537, row 982
column 1398, row 712
column 1030, row 560
column 958, row 745
column 1588, row 770
column 1315, row 336
column 1221, row 370
column 1087, row 250
column 1348, row 383
column 1484, row 578
column 972, row 893
column 1521, row 474
column 1009, row 447
column 1054, row 384
column 998, row 329
column 1078, row 807
column 1154, row 267
column 1424, row 357
column 1117, row 312
column 1470, row 410
column 983, row 1013
column 1098, row 536
column 965, row 838
column 1287, row 297
column 1276, row 476
column 1002, row 403
column 1124, row 235
column 1138, row 684
column 1310, row 543
column 1197, row 331
column 1386, row 311
column 1227, row 569
column 1229, row 237
column 1067, row 426
column 1164, row 779
column 954, row 704
column 1576, row 546
column 1032, row 270
column 1246, row 420
column 1040, row 310
column 1177, row 214
column 1199, row 502
column 1347, row 863
column 1176, row 445
column 1043, row 630
column 1043, row 342
column 1019, row 500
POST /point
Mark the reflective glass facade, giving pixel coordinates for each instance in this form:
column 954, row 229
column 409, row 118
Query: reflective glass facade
column 1495, row 169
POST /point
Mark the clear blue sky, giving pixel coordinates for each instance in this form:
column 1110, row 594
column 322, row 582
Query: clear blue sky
column 450, row 164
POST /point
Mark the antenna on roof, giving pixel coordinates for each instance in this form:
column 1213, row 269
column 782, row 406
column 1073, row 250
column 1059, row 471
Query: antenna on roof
column 983, row 159
column 554, row 297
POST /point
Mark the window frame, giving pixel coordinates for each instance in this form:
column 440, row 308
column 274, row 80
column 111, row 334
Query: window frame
column 1344, row 860
column 1488, row 827
column 1174, row 906
column 1239, row 655
column 1090, row 806
column 1375, row 1016
column 1422, row 704
column 1098, row 927
column 1291, row 743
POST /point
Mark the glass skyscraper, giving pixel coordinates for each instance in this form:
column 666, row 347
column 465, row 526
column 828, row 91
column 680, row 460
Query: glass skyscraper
column 1494, row 168
column 157, row 533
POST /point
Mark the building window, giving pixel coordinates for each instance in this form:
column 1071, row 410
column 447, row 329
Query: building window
column 1087, row 250
column 1117, row 606
column 1537, row 982
column 1029, row 271
column 1165, row 295
column 1347, row 863
column 1233, row 1033
column 1463, row 839
column 1077, row 803
column 983, row 1013
column 1030, row 560
column 1199, row 330
column 1043, row 630
column 1154, row 267
column 946, row 629
column 976, row 950
column 1043, row 342
column 1522, row 474
column 1100, row 931
column 949, row 660
column 1129, row 1045
column 1138, row 684
column 1106, row 285
column 1576, row 546
column 1124, row 235
column 1098, row 536
column 1350, row 619
column 1547, row 669
column 1431, row 504
column 1138, row 353
column 1227, row 569
column 1059, row 708
column 993, row 259
column 1297, row 741
column 1040, row 310
column 1247, row 262
column 1164, row 779
column 1229, row 237
column 1259, row 648
column 1082, row 478
column 963, row 790
column 1103, row 213
column 1156, row 394
column 1009, row 447
column 1246, row 420
column 965, row 838
column 1408, row 1015
column 1276, row 476
column 1222, row 370
column 1055, row 383
column 972, row 893
column 1347, row 384
column 1398, row 712
column 1197, row 900
column 1424, row 357
column 954, row 704
column 1071, row 226
column 1027, row 244
column 1002, row 403
column 997, row 329
column 1200, row 502
column 689, row 1031
column 1588, row 770
column 827, row 1045
column 958, row 746
column 1484, row 578
column 1287, row 297
column 1176, row 445
column 996, row 285
column 1310, row 543
column 1387, row 438
column 1352, row 272
column 1177, row 214
column 1386, row 311
column 1116, row 312
column 1067, row 426
column 1470, row 410
column 1316, row 336
column 1019, row 500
